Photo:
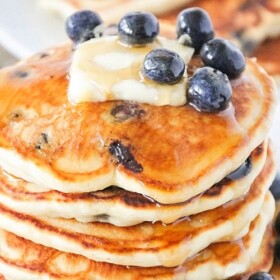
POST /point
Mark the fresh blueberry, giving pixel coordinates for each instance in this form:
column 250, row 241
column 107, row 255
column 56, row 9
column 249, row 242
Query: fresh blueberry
column 209, row 90
column 163, row 66
column 275, row 187
column 138, row 28
column 195, row 23
column 82, row 26
column 224, row 56
column 261, row 276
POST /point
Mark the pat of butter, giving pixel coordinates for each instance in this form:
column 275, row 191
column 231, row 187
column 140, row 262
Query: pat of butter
column 104, row 69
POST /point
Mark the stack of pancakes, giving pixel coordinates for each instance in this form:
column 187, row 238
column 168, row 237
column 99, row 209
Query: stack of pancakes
column 121, row 190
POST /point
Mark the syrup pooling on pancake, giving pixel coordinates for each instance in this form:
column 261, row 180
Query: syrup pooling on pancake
column 106, row 69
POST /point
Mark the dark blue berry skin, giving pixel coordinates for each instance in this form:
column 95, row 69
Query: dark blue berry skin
column 196, row 23
column 224, row 56
column 261, row 276
column 138, row 28
column 275, row 187
column 80, row 26
column 209, row 90
column 163, row 66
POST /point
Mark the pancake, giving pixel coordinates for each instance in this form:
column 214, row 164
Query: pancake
column 123, row 208
column 146, row 244
column 55, row 145
column 250, row 22
column 263, row 260
column 268, row 55
column 112, row 10
column 21, row 259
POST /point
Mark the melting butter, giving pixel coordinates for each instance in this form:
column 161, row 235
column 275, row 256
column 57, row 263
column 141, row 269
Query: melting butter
column 105, row 69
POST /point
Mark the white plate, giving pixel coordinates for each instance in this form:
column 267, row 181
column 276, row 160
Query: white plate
column 26, row 28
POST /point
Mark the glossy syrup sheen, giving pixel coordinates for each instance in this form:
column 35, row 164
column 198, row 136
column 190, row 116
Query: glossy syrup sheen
column 35, row 259
column 178, row 147
column 21, row 190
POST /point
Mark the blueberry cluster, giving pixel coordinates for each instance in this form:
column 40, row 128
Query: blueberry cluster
column 209, row 89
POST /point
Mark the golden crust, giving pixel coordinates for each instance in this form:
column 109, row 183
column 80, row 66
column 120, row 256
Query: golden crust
column 121, row 207
column 43, row 261
column 156, row 242
column 169, row 142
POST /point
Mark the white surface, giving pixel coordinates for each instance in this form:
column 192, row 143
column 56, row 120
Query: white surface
column 26, row 28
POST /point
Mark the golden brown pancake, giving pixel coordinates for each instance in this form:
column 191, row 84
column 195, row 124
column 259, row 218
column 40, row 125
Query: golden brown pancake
column 268, row 56
column 263, row 260
column 55, row 143
column 146, row 244
column 123, row 208
column 23, row 259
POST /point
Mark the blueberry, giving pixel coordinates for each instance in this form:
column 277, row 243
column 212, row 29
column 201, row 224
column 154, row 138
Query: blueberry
column 195, row 23
column 209, row 90
column 163, row 66
column 261, row 276
column 138, row 28
column 224, row 56
column 275, row 187
column 81, row 26
column 124, row 156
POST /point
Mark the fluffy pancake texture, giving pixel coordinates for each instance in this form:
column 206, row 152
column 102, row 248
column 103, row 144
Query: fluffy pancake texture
column 64, row 147
column 198, row 208
column 123, row 208
column 21, row 259
column 146, row 244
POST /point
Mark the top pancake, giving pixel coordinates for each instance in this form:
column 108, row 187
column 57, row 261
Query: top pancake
column 46, row 140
